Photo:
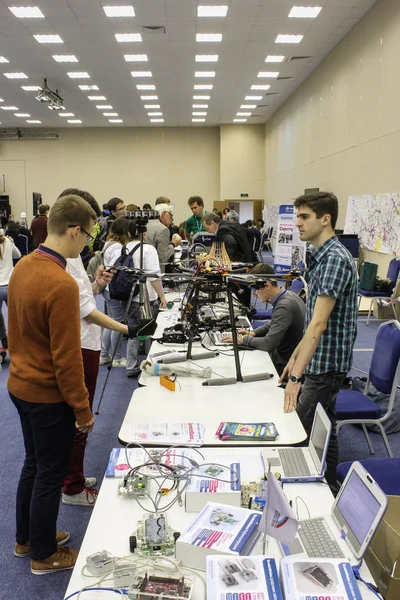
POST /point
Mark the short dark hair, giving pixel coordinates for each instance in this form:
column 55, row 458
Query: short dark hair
column 321, row 203
column 42, row 209
column 85, row 196
column 264, row 269
column 197, row 199
column 146, row 206
column 113, row 203
column 163, row 200
column 210, row 218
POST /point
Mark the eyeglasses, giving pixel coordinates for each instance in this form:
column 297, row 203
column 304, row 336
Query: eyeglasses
column 89, row 237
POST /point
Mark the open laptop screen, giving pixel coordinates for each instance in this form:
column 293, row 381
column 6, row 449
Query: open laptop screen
column 318, row 438
column 358, row 507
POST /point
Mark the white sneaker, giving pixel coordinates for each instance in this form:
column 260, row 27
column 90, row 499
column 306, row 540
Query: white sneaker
column 119, row 362
column 87, row 497
column 90, row 482
column 104, row 360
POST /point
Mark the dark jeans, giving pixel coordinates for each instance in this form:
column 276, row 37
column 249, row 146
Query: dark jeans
column 49, row 433
column 324, row 389
column 75, row 480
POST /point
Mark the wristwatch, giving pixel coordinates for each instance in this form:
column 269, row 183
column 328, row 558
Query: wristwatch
column 294, row 379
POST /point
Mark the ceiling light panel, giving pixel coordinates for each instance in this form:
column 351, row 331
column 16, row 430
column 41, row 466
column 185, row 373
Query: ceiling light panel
column 74, row 121
column 68, row 58
column 248, row 106
column 198, row 120
column 3, row 59
column 31, row 88
column 104, row 106
column 212, row 11
column 15, row 75
column 124, row 38
column 22, row 115
column 206, row 58
column 155, row 114
column 66, row 114
column 151, row 106
column 156, row 120
column 208, row 37
column 204, row 73
column 243, row 114
column 115, row 120
column 48, row 39
column 275, row 58
column 239, row 120
column 135, row 57
column 268, row 74
column 97, row 98
column 33, row 121
column 253, row 97
column 78, row 75
column 199, row 113
column 87, row 88
column 305, row 12
column 119, row 11
column 141, row 74
column 200, row 106
column 9, row 108
column 26, row 12
column 113, row 114
column 149, row 97
column 288, row 39
column 260, row 87
column 203, row 86
column 201, row 97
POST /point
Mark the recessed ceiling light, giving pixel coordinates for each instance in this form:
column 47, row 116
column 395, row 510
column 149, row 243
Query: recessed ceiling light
column 199, row 114
column 141, row 74
column 3, row 59
column 203, row 86
column 151, row 106
column 68, row 58
column 253, row 98
column 269, row 74
column 305, row 12
column 26, row 12
column 97, row 98
column 212, row 11
column 48, row 39
column 15, row 75
column 201, row 97
column 9, row 108
column 78, row 75
column 200, row 106
column 260, row 87
column 104, row 106
column 275, row 58
column 206, row 58
column 288, row 39
column 149, row 97
column 115, row 120
column 243, row 114
column 87, row 88
column 128, row 37
column 107, row 114
column 145, row 87
column 33, row 121
column 155, row 114
column 204, row 73
column 251, row 106
column 31, row 88
column 66, row 114
column 239, row 120
column 198, row 120
column 21, row 115
column 119, row 11
column 74, row 121
column 208, row 37
column 156, row 120
column 135, row 57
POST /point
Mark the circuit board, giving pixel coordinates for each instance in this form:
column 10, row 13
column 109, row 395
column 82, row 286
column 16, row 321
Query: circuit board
column 133, row 486
column 151, row 587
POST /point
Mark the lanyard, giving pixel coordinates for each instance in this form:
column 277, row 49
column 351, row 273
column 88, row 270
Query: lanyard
column 278, row 298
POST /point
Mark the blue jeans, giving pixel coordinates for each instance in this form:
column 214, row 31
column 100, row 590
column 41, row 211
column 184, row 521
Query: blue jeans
column 49, row 434
column 110, row 339
column 132, row 349
column 322, row 388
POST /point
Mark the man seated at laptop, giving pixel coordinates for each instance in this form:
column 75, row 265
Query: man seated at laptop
column 281, row 336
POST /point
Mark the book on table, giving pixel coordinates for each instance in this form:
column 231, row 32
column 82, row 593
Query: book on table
column 230, row 430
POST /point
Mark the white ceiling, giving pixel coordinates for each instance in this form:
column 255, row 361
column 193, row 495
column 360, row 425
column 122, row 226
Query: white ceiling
column 249, row 32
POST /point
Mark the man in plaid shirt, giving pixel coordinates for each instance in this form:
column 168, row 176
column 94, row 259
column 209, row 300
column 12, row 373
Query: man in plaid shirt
column 324, row 355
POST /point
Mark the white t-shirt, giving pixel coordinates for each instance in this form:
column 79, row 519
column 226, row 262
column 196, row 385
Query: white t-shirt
column 90, row 333
column 151, row 264
column 10, row 251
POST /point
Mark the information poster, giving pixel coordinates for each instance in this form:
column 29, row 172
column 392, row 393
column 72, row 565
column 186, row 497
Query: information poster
column 289, row 249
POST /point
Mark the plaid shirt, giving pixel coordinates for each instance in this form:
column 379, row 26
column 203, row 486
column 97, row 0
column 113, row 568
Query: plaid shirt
column 332, row 272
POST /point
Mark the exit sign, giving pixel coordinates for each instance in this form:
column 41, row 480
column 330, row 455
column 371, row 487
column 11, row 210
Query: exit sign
column 244, row 195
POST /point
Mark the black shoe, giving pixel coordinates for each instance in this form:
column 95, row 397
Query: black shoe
column 134, row 373
column 4, row 342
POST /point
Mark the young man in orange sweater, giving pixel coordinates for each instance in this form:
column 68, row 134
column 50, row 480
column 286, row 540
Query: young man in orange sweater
column 46, row 382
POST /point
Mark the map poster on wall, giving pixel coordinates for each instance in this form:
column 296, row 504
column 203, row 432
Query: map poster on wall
column 289, row 249
column 375, row 218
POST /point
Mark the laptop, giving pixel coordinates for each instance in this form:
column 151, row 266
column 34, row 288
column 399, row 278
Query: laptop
column 303, row 464
column 347, row 531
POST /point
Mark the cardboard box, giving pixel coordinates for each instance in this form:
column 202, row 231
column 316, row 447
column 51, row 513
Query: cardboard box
column 202, row 489
column 383, row 555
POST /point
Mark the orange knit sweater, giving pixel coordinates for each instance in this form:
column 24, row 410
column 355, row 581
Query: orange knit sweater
column 44, row 335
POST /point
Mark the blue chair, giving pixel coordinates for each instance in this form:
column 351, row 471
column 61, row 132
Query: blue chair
column 22, row 244
column 354, row 407
column 393, row 275
column 385, row 471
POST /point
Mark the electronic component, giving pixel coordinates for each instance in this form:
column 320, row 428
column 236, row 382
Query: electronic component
column 318, row 575
column 234, row 569
column 152, row 587
column 125, row 573
column 213, row 470
column 254, row 494
column 100, row 563
column 219, row 517
column 133, row 486
column 153, row 537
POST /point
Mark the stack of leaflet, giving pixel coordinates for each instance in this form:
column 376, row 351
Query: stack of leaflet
column 188, row 434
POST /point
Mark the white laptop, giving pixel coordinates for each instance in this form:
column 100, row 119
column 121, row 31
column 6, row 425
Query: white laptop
column 303, row 464
column 347, row 531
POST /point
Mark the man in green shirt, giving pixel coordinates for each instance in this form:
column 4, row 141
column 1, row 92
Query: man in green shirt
column 194, row 224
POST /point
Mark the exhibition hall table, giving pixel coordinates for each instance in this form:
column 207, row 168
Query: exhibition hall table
column 114, row 519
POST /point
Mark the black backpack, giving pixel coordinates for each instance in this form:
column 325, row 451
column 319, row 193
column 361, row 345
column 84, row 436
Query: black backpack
column 121, row 284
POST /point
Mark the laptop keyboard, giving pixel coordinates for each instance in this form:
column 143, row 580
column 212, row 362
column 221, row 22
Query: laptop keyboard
column 293, row 462
column 317, row 539
column 216, row 338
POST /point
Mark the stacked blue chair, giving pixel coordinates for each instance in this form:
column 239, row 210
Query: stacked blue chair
column 353, row 407
column 393, row 275
column 385, row 471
